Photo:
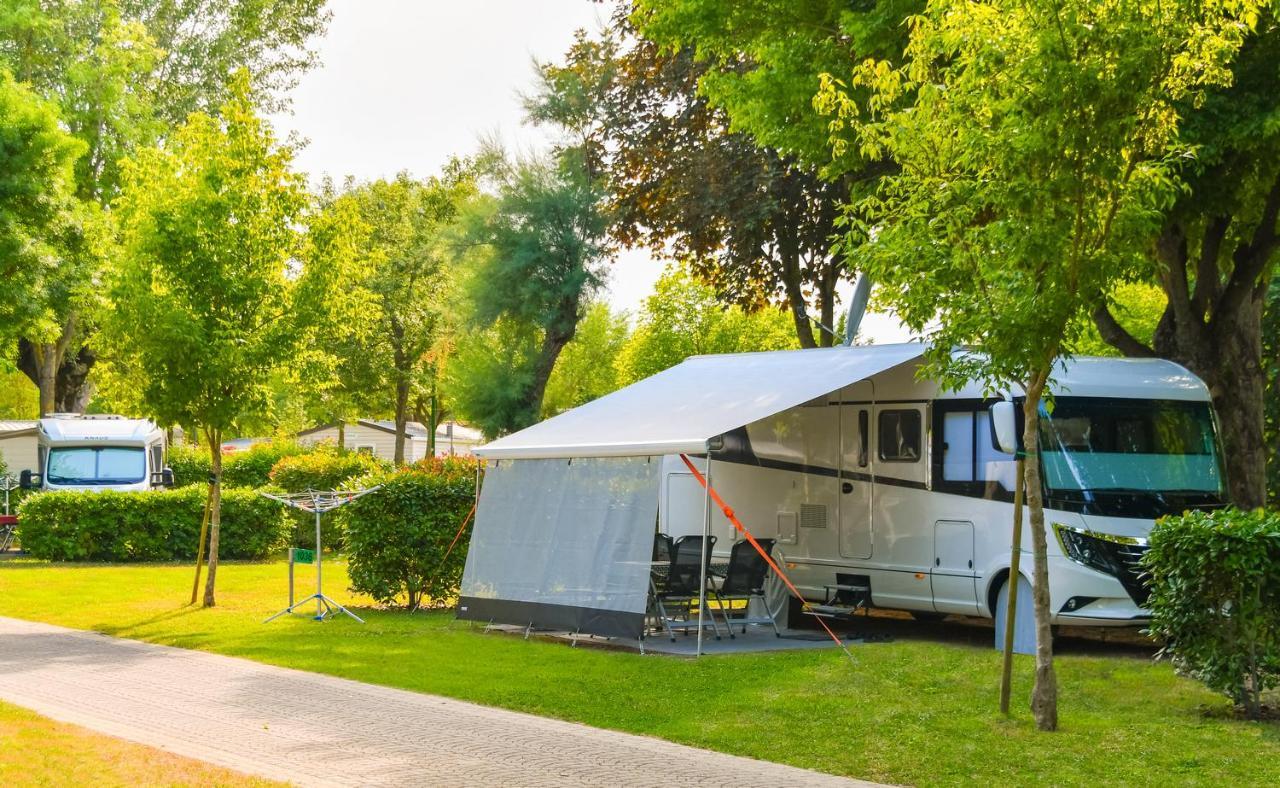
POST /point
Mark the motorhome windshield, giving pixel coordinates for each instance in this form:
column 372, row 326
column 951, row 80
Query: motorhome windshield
column 94, row 465
column 1131, row 457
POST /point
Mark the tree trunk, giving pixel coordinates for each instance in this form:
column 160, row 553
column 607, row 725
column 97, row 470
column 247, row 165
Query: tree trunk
column 433, row 421
column 1237, row 381
column 552, row 343
column 215, row 513
column 402, row 417
column 797, row 304
column 1044, row 695
column 827, row 305
column 63, row 379
column 342, row 435
column 47, row 377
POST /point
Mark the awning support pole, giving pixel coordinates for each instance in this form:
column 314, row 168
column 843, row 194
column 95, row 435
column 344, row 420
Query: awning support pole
column 706, row 547
column 777, row 570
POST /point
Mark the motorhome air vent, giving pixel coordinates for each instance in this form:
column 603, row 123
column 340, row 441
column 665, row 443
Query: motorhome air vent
column 813, row 515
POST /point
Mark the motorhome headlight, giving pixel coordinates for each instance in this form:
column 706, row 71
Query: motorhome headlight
column 1084, row 548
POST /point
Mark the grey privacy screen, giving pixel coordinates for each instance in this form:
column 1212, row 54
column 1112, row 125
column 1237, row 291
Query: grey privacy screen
column 564, row 544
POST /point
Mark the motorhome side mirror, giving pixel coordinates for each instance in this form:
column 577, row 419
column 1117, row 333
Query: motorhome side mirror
column 1004, row 426
column 29, row 481
column 163, row 478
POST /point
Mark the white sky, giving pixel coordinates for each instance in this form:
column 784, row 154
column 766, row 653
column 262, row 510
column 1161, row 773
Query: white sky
column 405, row 84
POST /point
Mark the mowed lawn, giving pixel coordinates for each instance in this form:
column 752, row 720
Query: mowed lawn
column 35, row 750
column 907, row 711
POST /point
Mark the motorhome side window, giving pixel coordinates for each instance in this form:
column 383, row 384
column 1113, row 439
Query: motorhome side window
column 864, row 434
column 899, row 435
column 971, row 463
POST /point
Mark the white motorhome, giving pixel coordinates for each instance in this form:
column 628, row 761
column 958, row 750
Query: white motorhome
column 98, row 452
column 895, row 485
column 878, row 486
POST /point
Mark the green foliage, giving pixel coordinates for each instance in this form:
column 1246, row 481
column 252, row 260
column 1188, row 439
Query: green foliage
column 1215, row 599
column 490, row 373
column 324, row 468
column 766, row 57
column 157, row 525
column 190, row 465
column 19, row 399
column 250, row 468
column 397, row 538
column 1138, row 306
column 125, row 71
column 376, row 295
column 1036, row 144
column 38, row 215
column 1271, row 371
column 209, row 233
column 537, row 248
column 686, row 182
column 684, row 318
column 588, row 366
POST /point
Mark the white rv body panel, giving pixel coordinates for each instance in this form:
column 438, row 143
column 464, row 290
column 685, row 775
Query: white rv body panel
column 72, row 447
column 902, row 516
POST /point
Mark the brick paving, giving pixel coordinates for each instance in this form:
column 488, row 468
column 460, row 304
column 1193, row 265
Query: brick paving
column 311, row 729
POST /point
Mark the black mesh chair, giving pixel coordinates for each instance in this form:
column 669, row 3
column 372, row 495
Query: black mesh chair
column 743, row 581
column 661, row 548
column 676, row 595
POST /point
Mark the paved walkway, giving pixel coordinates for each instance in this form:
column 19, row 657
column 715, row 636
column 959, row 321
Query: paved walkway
column 318, row 730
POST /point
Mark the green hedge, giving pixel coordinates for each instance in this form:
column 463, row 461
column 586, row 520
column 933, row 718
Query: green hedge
column 156, row 525
column 324, row 468
column 248, row 468
column 1215, row 599
column 321, row 468
column 397, row 537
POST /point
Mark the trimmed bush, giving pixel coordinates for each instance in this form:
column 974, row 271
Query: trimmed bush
column 190, row 465
column 248, row 468
column 324, row 468
column 1215, row 599
column 397, row 537
column 157, row 525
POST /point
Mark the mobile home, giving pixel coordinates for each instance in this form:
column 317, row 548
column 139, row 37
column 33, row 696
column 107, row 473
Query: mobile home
column 866, row 474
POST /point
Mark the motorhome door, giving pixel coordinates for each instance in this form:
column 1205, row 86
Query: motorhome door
column 857, row 468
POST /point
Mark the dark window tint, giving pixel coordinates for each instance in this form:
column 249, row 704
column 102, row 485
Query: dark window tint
column 899, row 437
column 864, row 432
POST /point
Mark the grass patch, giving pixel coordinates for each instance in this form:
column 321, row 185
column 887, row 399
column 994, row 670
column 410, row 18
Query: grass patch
column 908, row 711
column 35, row 750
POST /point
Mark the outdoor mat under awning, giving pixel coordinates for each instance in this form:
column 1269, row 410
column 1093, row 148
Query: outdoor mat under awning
column 564, row 544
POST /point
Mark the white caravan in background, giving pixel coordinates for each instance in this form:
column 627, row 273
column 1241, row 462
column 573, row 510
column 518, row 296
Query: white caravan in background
column 894, row 485
column 99, row 452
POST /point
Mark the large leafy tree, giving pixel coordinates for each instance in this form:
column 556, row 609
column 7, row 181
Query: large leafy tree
column 338, row 378
column 1036, row 142
column 387, row 244
column 36, row 205
column 122, row 74
column 754, row 223
column 538, row 245
column 1216, row 251
column 209, row 224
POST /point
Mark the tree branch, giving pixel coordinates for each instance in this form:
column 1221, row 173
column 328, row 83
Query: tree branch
column 1117, row 336
column 1207, row 277
column 1250, row 260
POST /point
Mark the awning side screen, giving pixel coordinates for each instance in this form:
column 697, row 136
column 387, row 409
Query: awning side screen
column 564, row 545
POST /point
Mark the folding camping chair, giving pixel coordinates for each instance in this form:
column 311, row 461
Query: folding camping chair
column 8, row 529
column 744, row 581
column 677, row 593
